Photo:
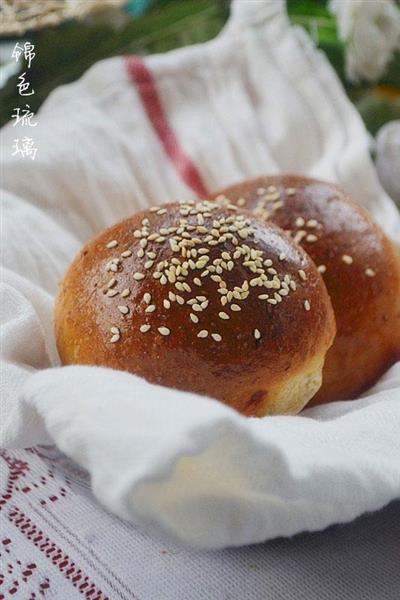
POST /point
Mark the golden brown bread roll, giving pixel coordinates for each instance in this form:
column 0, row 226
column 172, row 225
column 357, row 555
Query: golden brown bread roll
column 198, row 297
column 359, row 264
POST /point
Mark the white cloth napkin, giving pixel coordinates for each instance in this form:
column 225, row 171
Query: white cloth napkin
column 258, row 99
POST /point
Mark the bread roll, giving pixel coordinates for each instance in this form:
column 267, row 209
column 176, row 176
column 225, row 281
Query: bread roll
column 199, row 297
column 360, row 267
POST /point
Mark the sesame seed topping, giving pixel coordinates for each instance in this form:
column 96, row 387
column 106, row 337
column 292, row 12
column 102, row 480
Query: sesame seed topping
column 112, row 282
column 145, row 328
column 290, row 191
column 300, row 222
column 115, row 338
column 257, row 334
column 203, row 333
column 111, row 293
column 164, row 330
column 114, row 330
column 370, row 272
column 194, row 253
column 112, row 244
column 307, row 305
column 346, row 258
column 302, row 275
column 311, row 238
column 321, row 268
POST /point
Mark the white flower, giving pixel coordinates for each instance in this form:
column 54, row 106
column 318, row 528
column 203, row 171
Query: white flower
column 371, row 32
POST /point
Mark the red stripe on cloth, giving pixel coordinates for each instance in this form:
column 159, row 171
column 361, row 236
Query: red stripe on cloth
column 147, row 89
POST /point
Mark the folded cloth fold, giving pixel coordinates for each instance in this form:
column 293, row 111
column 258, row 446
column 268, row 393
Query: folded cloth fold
column 187, row 467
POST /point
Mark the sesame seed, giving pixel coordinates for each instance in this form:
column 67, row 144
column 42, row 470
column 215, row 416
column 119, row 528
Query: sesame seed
column 151, row 308
column 272, row 301
column 138, row 276
column 111, row 293
column 194, row 318
column 290, row 191
column 300, row 222
column 144, row 328
column 143, row 243
column 321, row 268
column 346, row 258
column 123, row 309
column 257, row 334
column 241, row 202
column 166, row 303
column 282, row 256
column 235, row 307
column 115, row 338
column 148, row 264
column 147, row 298
column 125, row 292
column 126, row 253
column 164, row 330
column 370, row 272
column 311, row 238
column 307, row 305
column 112, row 282
column 112, row 244
column 302, row 275
column 180, row 300
column 203, row 333
column 216, row 337
column 223, row 315
column 312, row 223
column 114, row 330
column 154, row 208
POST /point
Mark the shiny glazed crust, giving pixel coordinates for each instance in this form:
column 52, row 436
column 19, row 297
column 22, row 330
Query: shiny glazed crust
column 360, row 267
column 184, row 310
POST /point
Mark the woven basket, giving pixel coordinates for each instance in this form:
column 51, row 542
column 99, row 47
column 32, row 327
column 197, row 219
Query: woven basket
column 19, row 16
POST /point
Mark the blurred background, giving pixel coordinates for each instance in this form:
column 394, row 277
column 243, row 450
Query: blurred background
column 70, row 35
